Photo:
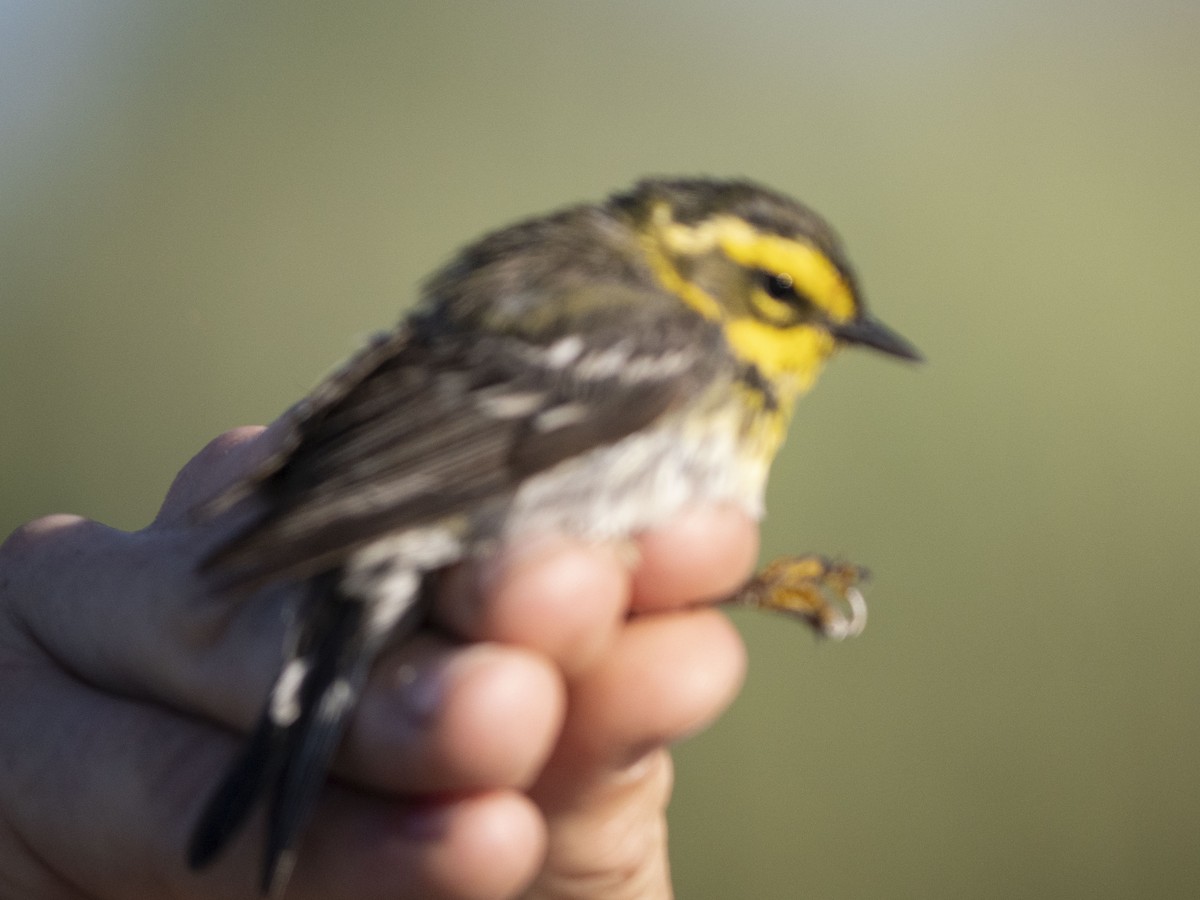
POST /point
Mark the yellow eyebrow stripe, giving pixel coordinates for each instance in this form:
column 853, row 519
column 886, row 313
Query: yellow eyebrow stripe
column 815, row 276
column 791, row 356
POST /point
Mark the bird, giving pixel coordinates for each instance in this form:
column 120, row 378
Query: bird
column 592, row 372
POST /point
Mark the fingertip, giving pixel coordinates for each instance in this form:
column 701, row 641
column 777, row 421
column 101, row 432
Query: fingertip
column 499, row 849
column 513, row 703
column 30, row 538
column 439, row 718
column 561, row 598
column 716, row 669
column 698, row 667
column 219, row 464
column 481, row 847
column 704, row 554
column 666, row 678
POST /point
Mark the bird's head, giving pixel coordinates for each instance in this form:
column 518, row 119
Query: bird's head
column 767, row 268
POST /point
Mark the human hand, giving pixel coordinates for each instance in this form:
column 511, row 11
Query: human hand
column 520, row 748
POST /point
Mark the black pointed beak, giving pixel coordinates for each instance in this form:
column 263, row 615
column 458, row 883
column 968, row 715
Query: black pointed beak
column 873, row 333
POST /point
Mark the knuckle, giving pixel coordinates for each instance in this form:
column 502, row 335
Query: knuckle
column 220, row 446
column 33, row 537
column 23, row 555
column 206, row 473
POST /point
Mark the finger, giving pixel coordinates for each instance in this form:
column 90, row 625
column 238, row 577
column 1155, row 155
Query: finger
column 125, row 612
column 665, row 678
column 704, row 554
column 434, row 717
column 102, row 791
column 221, row 464
column 605, row 790
column 97, row 789
column 122, row 610
column 457, row 717
column 615, row 846
column 566, row 598
column 559, row 597
column 442, row 718
column 486, row 846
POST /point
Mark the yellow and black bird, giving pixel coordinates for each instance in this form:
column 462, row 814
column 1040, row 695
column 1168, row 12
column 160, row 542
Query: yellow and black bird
column 590, row 372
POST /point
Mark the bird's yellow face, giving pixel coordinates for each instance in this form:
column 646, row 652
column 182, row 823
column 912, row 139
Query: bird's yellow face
column 783, row 304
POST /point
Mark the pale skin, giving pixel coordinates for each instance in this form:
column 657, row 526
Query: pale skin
column 519, row 749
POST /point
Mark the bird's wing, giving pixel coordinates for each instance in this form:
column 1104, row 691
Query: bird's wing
column 421, row 429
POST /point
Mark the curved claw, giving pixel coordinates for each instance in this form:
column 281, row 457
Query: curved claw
column 840, row 625
column 823, row 593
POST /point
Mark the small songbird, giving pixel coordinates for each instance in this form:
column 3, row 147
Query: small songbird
column 591, row 372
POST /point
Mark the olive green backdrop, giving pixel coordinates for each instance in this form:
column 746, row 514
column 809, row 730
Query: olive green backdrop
column 203, row 207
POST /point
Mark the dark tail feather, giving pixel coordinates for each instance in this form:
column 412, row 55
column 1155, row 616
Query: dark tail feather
column 332, row 647
column 327, row 696
column 237, row 793
column 288, row 754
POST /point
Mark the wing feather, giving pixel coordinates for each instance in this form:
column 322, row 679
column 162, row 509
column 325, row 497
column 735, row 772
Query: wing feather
column 422, row 428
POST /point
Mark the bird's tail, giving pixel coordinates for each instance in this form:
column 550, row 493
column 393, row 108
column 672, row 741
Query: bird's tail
column 286, row 758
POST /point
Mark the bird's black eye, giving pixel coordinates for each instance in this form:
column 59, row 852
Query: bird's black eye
column 780, row 285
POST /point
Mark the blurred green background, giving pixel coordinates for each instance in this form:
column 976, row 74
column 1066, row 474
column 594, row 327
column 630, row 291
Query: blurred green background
column 206, row 206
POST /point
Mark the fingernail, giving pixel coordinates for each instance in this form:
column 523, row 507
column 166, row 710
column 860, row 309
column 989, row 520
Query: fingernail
column 421, row 689
column 426, row 821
